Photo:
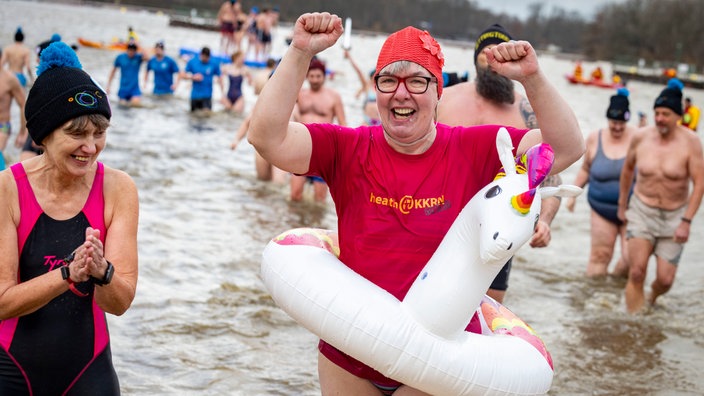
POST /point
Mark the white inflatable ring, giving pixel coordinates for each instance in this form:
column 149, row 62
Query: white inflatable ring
column 421, row 341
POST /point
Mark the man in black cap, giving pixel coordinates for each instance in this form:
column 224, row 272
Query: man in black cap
column 492, row 99
column 664, row 158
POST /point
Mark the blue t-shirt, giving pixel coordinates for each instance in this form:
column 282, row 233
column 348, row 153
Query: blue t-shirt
column 129, row 74
column 203, row 89
column 164, row 70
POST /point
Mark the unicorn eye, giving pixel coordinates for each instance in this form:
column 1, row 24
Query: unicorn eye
column 492, row 192
column 535, row 224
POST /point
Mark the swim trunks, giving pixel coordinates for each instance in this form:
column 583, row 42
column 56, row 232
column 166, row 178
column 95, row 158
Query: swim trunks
column 501, row 280
column 22, row 79
column 6, row 128
column 604, row 175
column 657, row 226
column 315, row 179
column 227, row 27
column 201, row 104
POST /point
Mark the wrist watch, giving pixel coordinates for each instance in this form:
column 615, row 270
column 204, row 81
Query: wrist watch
column 107, row 278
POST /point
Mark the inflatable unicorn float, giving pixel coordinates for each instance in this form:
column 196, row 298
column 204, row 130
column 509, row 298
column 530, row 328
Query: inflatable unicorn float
column 421, row 341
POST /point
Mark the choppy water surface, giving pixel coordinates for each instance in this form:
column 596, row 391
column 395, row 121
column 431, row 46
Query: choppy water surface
column 202, row 322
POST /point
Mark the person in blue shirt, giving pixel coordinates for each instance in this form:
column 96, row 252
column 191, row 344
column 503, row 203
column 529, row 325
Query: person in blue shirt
column 164, row 68
column 202, row 71
column 129, row 63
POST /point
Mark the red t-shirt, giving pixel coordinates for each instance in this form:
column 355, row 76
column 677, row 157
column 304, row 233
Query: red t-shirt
column 393, row 209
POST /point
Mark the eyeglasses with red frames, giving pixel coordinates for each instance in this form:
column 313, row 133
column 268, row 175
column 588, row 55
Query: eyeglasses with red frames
column 388, row 83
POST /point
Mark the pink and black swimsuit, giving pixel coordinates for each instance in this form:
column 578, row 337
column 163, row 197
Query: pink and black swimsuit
column 64, row 347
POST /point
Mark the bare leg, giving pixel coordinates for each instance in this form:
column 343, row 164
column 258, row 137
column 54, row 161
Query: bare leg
column 622, row 265
column 297, row 185
column 639, row 251
column 334, row 380
column 263, row 168
column 603, row 237
column 320, row 191
column 664, row 278
column 497, row 295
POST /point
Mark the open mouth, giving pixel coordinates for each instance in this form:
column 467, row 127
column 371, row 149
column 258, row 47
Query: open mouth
column 403, row 112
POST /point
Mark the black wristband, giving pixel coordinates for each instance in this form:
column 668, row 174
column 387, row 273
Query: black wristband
column 107, row 278
column 686, row 220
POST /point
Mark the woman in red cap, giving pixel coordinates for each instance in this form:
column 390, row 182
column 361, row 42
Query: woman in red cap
column 397, row 186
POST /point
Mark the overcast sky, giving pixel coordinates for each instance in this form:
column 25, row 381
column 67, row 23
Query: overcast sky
column 519, row 8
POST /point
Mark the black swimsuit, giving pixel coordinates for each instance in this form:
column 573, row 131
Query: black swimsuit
column 62, row 348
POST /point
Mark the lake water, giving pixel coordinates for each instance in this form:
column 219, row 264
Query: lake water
column 203, row 324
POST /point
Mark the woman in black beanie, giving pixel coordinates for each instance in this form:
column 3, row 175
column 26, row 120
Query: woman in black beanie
column 68, row 251
column 601, row 169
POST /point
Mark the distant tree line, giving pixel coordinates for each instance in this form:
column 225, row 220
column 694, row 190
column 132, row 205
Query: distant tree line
column 667, row 31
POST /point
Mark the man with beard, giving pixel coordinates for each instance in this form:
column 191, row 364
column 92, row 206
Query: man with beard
column 664, row 158
column 492, row 99
column 316, row 104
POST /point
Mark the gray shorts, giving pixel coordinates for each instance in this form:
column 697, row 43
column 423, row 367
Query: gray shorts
column 657, row 226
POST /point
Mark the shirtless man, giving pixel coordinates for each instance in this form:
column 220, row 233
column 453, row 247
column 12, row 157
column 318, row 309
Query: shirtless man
column 492, row 99
column 316, row 104
column 17, row 57
column 227, row 18
column 264, row 23
column 10, row 88
column 664, row 158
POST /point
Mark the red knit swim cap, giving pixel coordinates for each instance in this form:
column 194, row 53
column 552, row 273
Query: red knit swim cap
column 414, row 45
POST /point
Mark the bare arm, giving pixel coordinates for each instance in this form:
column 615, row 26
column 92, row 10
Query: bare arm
column 339, row 111
column 110, row 77
column 28, row 65
column 696, row 172
column 362, row 79
column 518, row 61
column 120, row 243
column 582, row 177
column 241, row 132
column 548, row 209
column 626, row 179
column 287, row 145
column 21, row 98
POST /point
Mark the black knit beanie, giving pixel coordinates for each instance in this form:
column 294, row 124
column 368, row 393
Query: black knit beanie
column 494, row 34
column 61, row 92
column 670, row 97
column 618, row 107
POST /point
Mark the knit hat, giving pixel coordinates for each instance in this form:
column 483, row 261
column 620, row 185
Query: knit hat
column 671, row 97
column 494, row 34
column 19, row 35
column 61, row 92
column 618, row 107
column 413, row 45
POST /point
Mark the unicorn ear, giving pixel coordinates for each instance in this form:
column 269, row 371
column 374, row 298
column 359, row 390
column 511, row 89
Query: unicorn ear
column 563, row 190
column 504, row 146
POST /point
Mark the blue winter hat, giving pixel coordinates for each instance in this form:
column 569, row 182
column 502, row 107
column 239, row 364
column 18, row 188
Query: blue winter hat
column 61, row 92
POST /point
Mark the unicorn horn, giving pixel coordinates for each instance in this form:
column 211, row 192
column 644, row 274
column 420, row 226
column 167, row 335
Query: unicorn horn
column 521, row 202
